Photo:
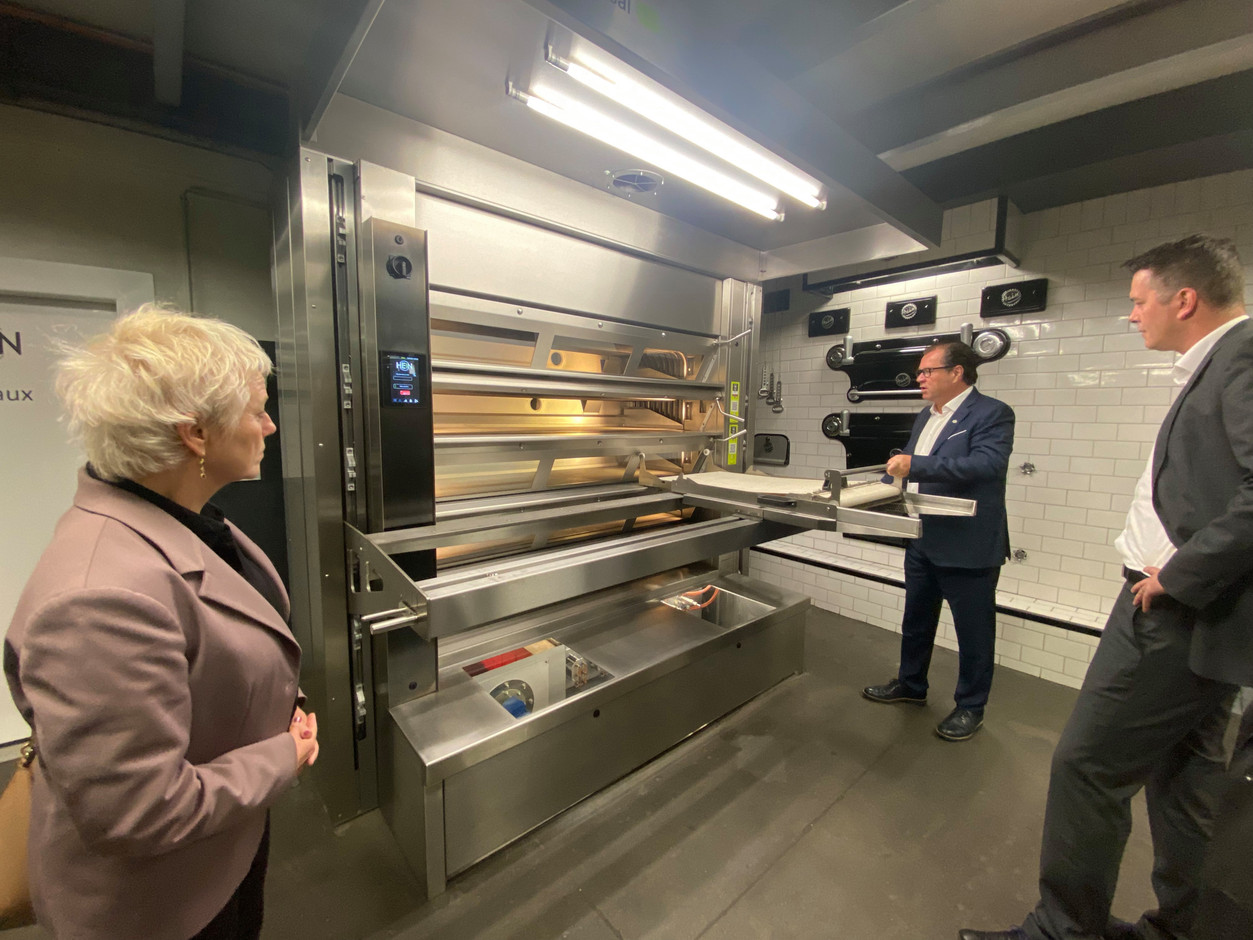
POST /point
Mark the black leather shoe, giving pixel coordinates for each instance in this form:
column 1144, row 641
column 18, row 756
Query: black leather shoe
column 1014, row 933
column 891, row 692
column 961, row 723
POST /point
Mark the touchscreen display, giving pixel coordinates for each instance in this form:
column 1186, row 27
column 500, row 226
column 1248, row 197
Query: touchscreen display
column 402, row 378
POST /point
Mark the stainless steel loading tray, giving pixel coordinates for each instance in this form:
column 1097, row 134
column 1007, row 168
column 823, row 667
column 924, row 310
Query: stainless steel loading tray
column 834, row 504
column 754, row 509
column 469, row 596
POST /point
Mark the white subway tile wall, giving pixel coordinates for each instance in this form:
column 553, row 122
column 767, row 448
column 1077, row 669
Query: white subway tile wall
column 1088, row 398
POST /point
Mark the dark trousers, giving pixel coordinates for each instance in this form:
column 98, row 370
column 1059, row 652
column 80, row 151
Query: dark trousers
column 971, row 596
column 1225, row 910
column 240, row 919
column 1142, row 719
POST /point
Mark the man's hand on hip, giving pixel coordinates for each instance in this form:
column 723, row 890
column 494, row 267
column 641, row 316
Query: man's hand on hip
column 1144, row 591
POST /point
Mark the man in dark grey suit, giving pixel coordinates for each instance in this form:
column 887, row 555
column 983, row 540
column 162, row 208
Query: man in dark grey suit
column 1179, row 640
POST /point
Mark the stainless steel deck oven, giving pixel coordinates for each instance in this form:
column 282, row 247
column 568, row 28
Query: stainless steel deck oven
column 517, row 505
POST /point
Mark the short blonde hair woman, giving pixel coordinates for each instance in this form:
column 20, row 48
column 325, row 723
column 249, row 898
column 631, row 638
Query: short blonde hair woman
column 129, row 391
column 150, row 651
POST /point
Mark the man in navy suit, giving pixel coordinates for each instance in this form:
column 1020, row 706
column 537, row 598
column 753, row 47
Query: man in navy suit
column 960, row 446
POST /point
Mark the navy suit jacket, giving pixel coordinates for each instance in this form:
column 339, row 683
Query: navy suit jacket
column 969, row 460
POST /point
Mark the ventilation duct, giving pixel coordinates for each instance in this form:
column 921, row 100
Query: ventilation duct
column 979, row 235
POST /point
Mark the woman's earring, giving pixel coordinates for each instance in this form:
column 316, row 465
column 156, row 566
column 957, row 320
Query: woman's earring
column 202, row 468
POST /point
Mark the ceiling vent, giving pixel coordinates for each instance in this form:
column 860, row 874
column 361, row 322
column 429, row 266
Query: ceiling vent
column 632, row 183
column 979, row 235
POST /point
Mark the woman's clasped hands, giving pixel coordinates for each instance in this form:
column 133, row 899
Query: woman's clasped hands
column 304, row 731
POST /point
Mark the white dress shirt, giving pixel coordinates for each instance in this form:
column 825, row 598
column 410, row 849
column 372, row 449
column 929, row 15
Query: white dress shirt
column 1144, row 542
column 935, row 424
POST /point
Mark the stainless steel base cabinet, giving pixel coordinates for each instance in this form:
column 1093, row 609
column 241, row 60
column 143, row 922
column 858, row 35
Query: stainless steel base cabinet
column 453, row 796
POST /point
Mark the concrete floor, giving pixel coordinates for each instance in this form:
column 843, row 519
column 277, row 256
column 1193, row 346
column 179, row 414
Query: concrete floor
column 809, row 812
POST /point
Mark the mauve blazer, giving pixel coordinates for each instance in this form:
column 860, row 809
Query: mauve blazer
column 160, row 685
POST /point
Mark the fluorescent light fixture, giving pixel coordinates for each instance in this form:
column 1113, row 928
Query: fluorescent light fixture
column 693, row 125
column 587, row 120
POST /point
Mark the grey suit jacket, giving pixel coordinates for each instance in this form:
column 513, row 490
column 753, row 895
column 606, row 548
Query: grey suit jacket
column 160, row 685
column 1203, row 493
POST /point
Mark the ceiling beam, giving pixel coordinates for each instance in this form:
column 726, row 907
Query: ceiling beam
column 70, row 69
column 331, row 51
column 1130, row 41
column 920, row 41
column 1147, row 135
column 1153, row 77
column 1189, row 160
column 168, row 20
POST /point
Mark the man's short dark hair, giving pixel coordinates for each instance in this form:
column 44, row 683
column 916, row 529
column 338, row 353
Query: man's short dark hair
column 958, row 354
column 1208, row 265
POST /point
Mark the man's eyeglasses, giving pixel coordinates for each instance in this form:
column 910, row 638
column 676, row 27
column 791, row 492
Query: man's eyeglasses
column 927, row 372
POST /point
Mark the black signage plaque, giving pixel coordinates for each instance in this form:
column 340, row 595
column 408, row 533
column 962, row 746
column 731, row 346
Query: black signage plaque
column 829, row 322
column 910, row 312
column 1002, row 300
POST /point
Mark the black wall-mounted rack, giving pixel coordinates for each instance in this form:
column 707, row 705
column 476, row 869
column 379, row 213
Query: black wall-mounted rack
column 868, row 439
column 884, row 369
